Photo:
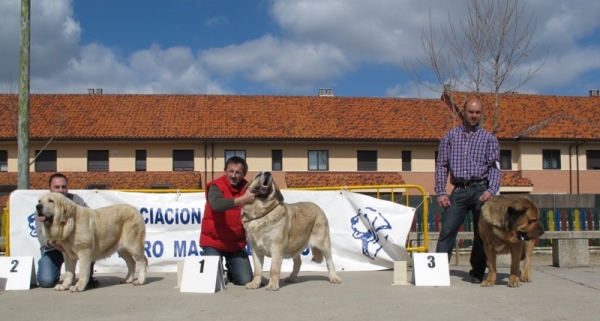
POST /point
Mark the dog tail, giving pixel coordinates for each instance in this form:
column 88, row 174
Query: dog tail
column 317, row 254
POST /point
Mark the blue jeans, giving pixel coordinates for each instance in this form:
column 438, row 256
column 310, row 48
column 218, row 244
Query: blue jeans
column 49, row 266
column 462, row 201
column 237, row 263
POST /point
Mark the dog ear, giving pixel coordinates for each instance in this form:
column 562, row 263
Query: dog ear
column 278, row 195
column 61, row 210
column 514, row 214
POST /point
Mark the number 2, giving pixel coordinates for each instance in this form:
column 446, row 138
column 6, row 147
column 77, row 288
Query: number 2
column 431, row 263
column 15, row 263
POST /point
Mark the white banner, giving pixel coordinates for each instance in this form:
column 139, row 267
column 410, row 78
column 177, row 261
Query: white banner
column 366, row 233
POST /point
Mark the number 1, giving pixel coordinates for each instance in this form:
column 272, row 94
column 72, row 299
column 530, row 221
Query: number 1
column 201, row 266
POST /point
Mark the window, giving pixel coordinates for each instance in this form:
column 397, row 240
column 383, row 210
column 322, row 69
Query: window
column 593, row 159
column 3, row 161
column 140, row 160
column 318, row 160
column 45, row 161
column 276, row 160
column 97, row 186
column 97, row 160
column 505, row 159
column 367, row 160
column 160, row 186
column 406, row 161
column 6, row 189
column 233, row 152
column 551, row 158
column 183, row 160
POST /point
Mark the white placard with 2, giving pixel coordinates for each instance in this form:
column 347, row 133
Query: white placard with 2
column 17, row 273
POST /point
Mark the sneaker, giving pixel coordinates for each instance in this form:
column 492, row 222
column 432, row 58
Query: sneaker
column 92, row 283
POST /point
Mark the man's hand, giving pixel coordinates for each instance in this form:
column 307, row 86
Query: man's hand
column 486, row 196
column 56, row 245
column 443, row 201
column 247, row 198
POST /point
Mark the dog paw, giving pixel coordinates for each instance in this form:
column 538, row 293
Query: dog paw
column 77, row 288
column 335, row 280
column 488, row 283
column 61, row 287
column 290, row 280
column 137, row 282
column 252, row 285
column 513, row 281
column 125, row 281
column 526, row 279
column 272, row 287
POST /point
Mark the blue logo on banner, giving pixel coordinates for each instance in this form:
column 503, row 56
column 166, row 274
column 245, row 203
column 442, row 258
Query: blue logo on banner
column 374, row 222
column 31, row 221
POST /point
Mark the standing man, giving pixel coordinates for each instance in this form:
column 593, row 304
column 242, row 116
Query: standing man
column 222, row 232
column 470, row 155
column 52, row 258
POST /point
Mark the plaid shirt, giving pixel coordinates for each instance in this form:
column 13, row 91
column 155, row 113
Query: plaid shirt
column 468, row 157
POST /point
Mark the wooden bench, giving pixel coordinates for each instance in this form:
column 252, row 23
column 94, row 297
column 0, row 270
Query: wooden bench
column 569, row 248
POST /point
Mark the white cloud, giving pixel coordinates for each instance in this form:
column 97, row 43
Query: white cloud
column 214, row 21
column 318, row 42
column 281, row 64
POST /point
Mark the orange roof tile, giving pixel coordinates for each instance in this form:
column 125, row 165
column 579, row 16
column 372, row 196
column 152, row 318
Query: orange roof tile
column 115, row 180
column 316, row 179
column 153, row 117
column 514, row 179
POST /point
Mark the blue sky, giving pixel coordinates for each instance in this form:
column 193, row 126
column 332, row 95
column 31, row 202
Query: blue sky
column 271, row 47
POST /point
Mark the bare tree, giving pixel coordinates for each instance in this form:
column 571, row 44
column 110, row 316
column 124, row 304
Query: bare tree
column 482, row 53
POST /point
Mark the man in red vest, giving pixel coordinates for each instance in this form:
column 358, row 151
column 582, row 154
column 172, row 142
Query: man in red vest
column 222, row 232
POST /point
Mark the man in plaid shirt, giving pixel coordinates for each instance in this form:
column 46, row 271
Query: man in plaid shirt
column 470, row 155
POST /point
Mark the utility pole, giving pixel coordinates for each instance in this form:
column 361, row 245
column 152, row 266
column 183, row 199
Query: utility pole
column 23, row 129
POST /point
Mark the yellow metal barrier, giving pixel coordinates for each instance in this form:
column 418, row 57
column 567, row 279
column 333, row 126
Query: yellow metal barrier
column 391, row 188
column 365, row 188
column 5, row 218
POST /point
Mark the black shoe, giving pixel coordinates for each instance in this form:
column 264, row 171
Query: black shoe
column 92, row 283
column 475, row 278
column 229, row 276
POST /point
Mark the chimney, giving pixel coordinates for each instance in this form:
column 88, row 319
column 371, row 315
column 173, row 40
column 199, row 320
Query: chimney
column 91, row 91
column 325, row 92
column 99, row 91
column 594, row 92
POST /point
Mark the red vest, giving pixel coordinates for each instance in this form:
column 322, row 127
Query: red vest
column 224, row 230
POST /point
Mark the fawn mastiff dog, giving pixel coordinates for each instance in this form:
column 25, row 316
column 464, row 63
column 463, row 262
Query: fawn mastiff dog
column 509, row 224
column 280, row 230
column 92, row 234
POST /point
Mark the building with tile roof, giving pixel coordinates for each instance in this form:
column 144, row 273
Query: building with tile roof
column 550, row 144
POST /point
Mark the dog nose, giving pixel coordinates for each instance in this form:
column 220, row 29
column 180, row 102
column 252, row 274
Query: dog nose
column 39, row 207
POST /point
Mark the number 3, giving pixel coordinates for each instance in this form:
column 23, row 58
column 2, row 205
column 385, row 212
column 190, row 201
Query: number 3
column 431, row 263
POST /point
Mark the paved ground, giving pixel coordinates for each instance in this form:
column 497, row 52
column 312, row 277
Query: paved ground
column 555, row 294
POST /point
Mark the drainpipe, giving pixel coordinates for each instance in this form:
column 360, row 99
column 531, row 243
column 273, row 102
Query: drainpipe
column 212, row 157
column 205, row 166
column 577, row 159
column 571, row 170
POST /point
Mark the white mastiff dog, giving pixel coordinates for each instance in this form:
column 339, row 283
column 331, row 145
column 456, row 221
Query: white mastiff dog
column 92, row 234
